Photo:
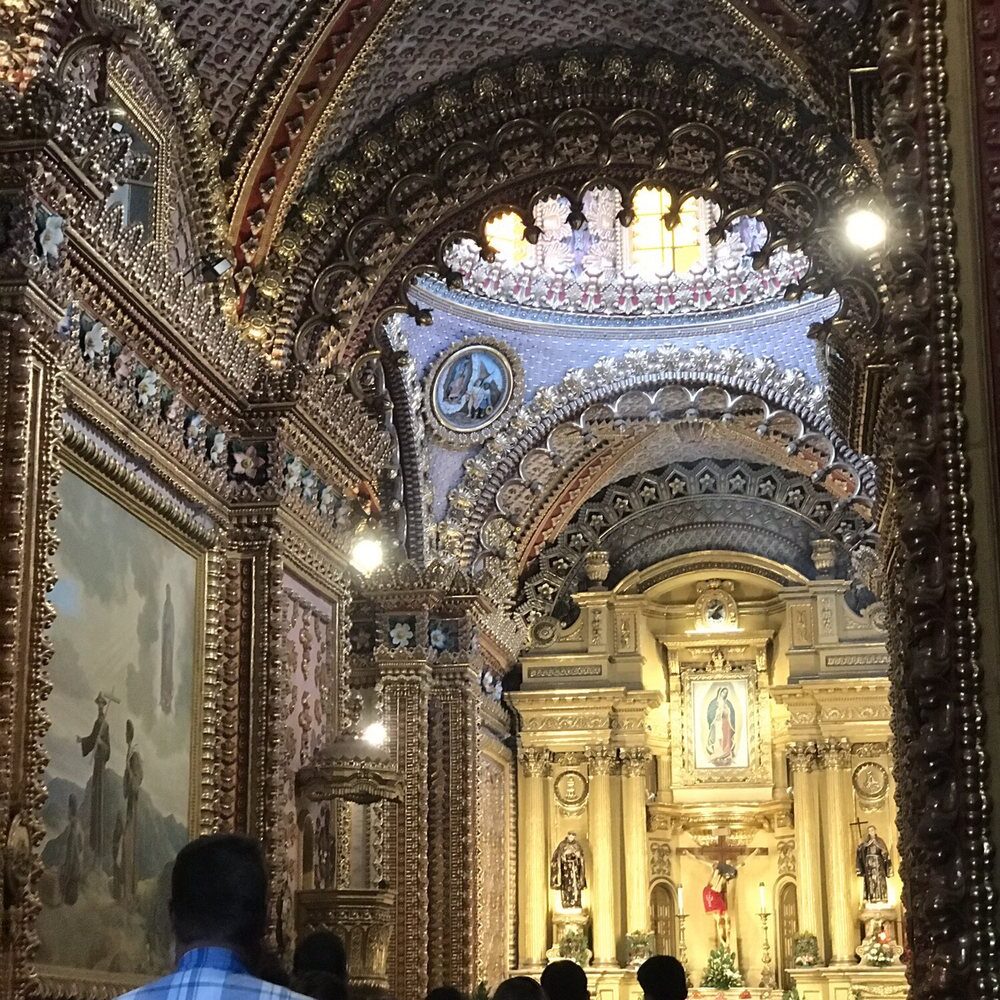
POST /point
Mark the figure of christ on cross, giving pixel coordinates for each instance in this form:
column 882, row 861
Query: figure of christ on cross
column 721, row 858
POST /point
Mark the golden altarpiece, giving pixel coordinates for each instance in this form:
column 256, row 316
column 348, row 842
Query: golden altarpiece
column 650, row 346
column 718, row 746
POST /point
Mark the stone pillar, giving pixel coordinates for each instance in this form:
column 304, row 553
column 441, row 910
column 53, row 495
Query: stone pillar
column 835, row 763
column 808, row 841
column 602, row 878
column 534, row 908
column 635, row 763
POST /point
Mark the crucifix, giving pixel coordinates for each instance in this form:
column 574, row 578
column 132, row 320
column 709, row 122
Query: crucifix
column 722, row 858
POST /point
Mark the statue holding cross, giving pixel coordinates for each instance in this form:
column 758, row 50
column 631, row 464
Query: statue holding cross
column 721, row 860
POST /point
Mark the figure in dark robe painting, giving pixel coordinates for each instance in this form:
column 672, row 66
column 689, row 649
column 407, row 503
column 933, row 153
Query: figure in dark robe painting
column 568, row 873
column 874, row 865
column 71, row 869
column 97, row 745
column 131, row 782
column 167, row 654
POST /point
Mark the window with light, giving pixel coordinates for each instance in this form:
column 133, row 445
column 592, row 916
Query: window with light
column 505, row 233
column 651, row 248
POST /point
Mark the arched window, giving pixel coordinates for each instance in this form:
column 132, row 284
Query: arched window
column 650, row 247
column 137, row 196
column 505, row 234
column 663, row 911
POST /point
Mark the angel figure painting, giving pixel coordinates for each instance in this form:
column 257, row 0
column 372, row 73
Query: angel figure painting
column 119, row 747
column 720, row 723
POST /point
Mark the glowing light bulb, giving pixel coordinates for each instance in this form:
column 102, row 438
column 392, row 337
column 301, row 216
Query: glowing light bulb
column 865, row 229
column 375, row 734
column 366, row 555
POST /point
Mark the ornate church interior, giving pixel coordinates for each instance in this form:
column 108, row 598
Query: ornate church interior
column 531, row 465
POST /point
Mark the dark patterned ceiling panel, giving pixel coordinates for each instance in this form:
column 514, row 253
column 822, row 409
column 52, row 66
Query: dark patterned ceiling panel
column 420, row 44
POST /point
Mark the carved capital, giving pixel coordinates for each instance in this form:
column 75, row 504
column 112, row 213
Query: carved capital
column 635, row 761
column 801, row 757
column 834, row 755
column 601, row 759
column 536, row 762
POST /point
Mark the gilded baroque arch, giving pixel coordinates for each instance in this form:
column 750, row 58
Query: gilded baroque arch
column 549, row 457
column 380, row 212
column 719, row 504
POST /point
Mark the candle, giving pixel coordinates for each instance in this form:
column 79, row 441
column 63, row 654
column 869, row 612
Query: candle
column 680, row 900
column 763, row 897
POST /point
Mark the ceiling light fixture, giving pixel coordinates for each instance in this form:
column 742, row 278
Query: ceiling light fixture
column 865, row 229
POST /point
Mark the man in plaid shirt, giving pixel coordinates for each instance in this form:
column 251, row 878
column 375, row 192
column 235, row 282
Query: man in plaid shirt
column 218, row 908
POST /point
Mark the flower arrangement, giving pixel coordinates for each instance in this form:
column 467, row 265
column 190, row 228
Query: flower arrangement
column 573, row 945
column 721, row 972
column 805, row 950
column 876, row 950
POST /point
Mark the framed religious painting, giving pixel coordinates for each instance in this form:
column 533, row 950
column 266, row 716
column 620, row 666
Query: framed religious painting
column 723, row 739
column 473, row 390
column 126, row 757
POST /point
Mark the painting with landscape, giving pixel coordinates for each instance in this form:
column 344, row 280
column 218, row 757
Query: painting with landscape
column 123, row 678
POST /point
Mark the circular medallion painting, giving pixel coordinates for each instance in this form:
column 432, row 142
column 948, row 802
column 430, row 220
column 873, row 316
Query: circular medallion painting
column 471, row 389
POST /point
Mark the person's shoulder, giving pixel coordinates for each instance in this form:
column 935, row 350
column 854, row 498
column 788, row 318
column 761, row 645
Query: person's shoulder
column 245, row 985
column 149, row 990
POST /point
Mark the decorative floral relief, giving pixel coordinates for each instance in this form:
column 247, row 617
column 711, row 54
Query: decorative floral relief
column 401, row 633
column 102, row 351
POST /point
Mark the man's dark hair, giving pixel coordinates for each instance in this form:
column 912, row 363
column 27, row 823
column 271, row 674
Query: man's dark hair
column 218, row 893
column 662, row 978
column 519, row 988
column 446, row 993
column 320, row 985
column 321, row 951
column 565, row 980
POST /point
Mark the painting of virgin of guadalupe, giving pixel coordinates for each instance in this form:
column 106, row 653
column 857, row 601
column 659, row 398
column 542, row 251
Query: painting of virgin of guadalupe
column 124, row 683
column 472, row 388
column 720, row 723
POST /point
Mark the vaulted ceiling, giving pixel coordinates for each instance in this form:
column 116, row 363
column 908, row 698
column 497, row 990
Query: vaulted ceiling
column 289, row 85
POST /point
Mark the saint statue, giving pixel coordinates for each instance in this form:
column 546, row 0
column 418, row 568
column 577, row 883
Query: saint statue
column 98, row 744
column 131, row 782
column 874, row 865
column 721, row 739
column 568, row 873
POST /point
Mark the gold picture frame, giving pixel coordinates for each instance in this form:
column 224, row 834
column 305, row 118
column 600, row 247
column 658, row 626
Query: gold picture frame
column 83, row 454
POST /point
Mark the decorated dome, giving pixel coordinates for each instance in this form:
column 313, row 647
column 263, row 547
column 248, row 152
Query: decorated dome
column 662, row 264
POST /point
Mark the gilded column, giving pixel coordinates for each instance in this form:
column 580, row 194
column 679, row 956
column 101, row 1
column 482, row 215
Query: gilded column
column 602, row 879
column 838, row 871
column 454, row 794
column 635, row 764
column 808, row 840
column 534, row 909
column 404, row 686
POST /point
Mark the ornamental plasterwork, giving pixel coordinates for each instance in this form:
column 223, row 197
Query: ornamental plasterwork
column 606, row 520
column 639, row 387
column 550, row 279
column 368, row 182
